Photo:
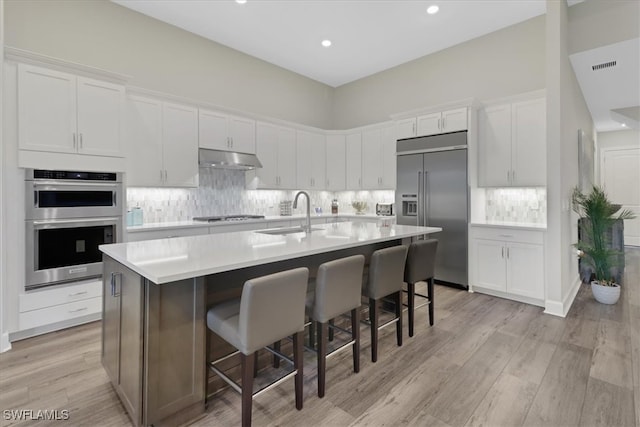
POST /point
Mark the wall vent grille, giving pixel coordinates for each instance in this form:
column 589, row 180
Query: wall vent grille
column 603, row 65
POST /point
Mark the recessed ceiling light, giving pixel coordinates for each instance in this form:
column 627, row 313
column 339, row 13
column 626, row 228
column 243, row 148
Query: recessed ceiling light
column 431, row 10
column 241, row 1
column 624, row 125
column 326, row 43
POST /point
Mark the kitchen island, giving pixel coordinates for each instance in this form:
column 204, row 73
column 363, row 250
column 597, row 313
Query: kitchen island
column 156, row 293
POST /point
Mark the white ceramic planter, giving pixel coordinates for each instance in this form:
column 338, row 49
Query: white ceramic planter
column 605, row 294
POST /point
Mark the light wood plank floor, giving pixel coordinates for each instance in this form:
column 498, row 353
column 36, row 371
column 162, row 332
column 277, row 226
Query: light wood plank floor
column 487, row 361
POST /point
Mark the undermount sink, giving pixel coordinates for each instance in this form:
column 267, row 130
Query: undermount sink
column 288, row 230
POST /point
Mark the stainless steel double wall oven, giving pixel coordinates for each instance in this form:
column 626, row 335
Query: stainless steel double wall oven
column 68, row 215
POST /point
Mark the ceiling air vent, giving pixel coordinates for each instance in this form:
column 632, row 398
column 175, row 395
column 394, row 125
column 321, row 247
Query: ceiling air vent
column 603, row 65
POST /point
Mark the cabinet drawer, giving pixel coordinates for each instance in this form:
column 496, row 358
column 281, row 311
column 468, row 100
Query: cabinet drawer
column 508, row 234
column 59, row 313
column 39, row 299
column 165, row 234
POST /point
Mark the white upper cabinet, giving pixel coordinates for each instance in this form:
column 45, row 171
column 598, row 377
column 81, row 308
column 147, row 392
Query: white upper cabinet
column 162, row 142
column 389, row 161
column 432, row 124
column 512, row 144
column 336, row 162
column 276, row 150
column 354, row 161
column 64, row 113
column 219, row 131
column 311, row 153
column 371, row 159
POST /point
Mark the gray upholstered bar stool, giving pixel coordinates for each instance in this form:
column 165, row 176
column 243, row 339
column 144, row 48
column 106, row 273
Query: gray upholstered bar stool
column 337, row 291
column 386, row 274
column 270, row 309
column 421, row 260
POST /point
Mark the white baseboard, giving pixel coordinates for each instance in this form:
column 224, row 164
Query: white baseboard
column 5, row 344
column 32, row 332
column 561, row 309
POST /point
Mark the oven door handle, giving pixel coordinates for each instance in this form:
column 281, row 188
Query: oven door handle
column 114, row 284
column 74, row 184
column 103, row 220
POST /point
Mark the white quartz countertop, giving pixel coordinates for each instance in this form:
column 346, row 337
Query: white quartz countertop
column 517, row 225
column 168, row 260
column 201, row 224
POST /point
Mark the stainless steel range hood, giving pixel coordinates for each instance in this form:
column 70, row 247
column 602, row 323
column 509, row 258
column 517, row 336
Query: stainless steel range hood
column 227, row 160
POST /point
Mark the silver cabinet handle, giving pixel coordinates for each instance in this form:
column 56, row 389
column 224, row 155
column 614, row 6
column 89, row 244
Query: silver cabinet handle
column 443, row 126
column 438, row 124
column 503, row 252
column 75, row 294
column 114, row 292
column 414, row 129
column 506, row 235
column 507, row 252
column 80, row 141
column 231, row 142
column 327, row 183
column 513, row 176
column 508, row 176
column 78, row 310
column 418, row 207
column 165, row 176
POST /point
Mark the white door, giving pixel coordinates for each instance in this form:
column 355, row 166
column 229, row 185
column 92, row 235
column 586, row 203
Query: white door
column 372, row 159
column 144, row 142
column 525, row 270
column 494, row 151
column 620, row 176
column 100, row 106
column 529, row 143
column 354, row 161
column 335, row 162
column 267, row 152
column 305, row 159
column 243, row 134
column 286, row 158
column 318, row 155
column 389, row 158
column 406, row 128
column 46, row 110
column 490, row 267
column 454, row 120
column 429, row 124
column 212, row 130
column 180, row 145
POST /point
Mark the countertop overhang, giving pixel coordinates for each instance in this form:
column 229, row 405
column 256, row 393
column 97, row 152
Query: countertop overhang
column 168, row 260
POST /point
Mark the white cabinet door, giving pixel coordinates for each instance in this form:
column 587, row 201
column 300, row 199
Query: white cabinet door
column 242, row 133
column 46, row 110
column 336, row 163
column 490, row 268
column 212, row 130
column 144, row 142
column 529, row 143
column 454, row 120
column 429, row 124
column 389, row 160
column 100, row 114
column 372, row 159
column 267, row 152
column 525, row 269
column 354, row 161
column 318, row 166
column 304, row 154
column 286, row 158
column 180, row 143
column 494, row 153
column 406, row 128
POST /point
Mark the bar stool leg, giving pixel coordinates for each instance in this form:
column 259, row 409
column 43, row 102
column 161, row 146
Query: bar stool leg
column 298, row 362
column 430, row 295
column 398, row 298
column 355, row 336
column 331, row 322
column 312, row 334
column 322, row 356
column 255, row 364
column 276, row 359
column 411, row 304
column 373, row 318
column 247, row 363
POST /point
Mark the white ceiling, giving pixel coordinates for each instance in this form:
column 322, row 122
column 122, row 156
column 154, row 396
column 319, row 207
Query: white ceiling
column 613, row 93
column 368, row 35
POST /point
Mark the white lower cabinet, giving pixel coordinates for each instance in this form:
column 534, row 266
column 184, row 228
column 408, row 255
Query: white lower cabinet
column 508, row 262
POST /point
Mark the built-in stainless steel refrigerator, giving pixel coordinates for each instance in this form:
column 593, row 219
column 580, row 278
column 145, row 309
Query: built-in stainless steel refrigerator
column 432, row 190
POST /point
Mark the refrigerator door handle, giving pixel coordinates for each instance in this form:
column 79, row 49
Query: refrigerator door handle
column 425, row 197
column 418, row 204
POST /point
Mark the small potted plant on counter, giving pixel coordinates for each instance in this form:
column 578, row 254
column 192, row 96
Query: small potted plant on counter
column 598, row 217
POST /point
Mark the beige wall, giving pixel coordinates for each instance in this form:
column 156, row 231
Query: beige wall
column 161, row 57
column 503, row 63
column 597, row 23
column 566, row 113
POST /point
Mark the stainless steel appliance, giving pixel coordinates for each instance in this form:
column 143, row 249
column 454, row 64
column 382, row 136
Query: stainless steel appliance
column 385, row 209
column 432, row 190
column 68, row 215
column 227, row 218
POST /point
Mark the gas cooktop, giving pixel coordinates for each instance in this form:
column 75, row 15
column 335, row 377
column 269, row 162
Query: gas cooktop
column 227, row 218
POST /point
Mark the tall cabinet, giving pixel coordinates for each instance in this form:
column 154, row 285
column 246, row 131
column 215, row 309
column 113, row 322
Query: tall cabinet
column 276, row 149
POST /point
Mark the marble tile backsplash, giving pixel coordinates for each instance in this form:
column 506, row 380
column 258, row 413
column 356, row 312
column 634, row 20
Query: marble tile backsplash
column 528, row 205
column 222, row 192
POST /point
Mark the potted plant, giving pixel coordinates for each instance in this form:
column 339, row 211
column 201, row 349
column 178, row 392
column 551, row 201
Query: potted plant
column 598, row 217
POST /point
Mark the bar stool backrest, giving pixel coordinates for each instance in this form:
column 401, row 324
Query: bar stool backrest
column 338, row 287
column 421, row 261
column 272, row 307
column 386, row 271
